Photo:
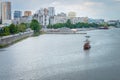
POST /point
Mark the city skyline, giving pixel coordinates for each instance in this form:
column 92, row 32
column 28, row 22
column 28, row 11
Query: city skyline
column 105, row 9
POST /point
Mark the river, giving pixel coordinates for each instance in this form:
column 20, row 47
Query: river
column 61, row 57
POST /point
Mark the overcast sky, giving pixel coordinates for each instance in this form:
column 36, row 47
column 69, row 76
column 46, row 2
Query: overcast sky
column 106, row 9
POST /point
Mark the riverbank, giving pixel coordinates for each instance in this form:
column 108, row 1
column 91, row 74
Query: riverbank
column 65, row 30
column 8, row 40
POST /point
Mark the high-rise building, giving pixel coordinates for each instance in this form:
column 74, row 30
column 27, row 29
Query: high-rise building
column 51, row 11
column 17, row 14
column 6, row 11
column 51, row 14
column 45, row 11
column 27, row 13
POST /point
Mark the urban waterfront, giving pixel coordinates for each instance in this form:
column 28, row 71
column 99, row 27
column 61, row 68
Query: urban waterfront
column 61, row 57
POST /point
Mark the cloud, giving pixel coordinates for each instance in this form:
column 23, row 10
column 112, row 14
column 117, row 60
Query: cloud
column 90, row 8
column 92, row 3
column 117, row 1
column 82, row 9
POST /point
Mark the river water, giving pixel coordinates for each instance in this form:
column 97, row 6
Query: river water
column 61, row 57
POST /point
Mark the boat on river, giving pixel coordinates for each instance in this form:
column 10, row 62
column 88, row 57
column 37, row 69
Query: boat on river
column 87, row 44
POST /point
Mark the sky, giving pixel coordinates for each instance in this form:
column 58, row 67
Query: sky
column 103, row 9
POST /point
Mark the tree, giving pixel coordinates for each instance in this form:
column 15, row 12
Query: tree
column 68, row 23
column 34, row 25
column 50, row 26
column 0, row 21
column 13, row 29
column 21, row 27
column 6, row 31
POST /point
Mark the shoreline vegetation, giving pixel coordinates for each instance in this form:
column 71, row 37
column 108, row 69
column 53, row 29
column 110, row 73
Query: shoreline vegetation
column 70, row 28
column 59, row 28
column 70, row 25
column 15, row 33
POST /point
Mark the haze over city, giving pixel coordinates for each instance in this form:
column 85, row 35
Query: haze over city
column 106, row 9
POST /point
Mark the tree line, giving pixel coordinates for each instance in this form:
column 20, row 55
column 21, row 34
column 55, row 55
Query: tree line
column 68, row 24
column 14, row 29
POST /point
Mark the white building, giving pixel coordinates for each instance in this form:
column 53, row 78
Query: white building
column 51, row 11
column 51, row 14
column 16, row 21
column 1, row 26
column 6, row 22
column 62, row 14
column 60, row 19
column 42, row 17
column 86, row 20
column 97, row 21
column 79, row 19
column 113, row 21
column 24, row 19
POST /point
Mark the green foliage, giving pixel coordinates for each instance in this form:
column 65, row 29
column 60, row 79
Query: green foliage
column 77, row 25
column 21, row 27
column 68, row 23
column 4, row 32
column 13, row 29
column 34, row 25
column 0, row 22
column 50, row 26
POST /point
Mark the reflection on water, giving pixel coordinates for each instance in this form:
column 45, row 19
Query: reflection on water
column 61, row 57
column 87, row 52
